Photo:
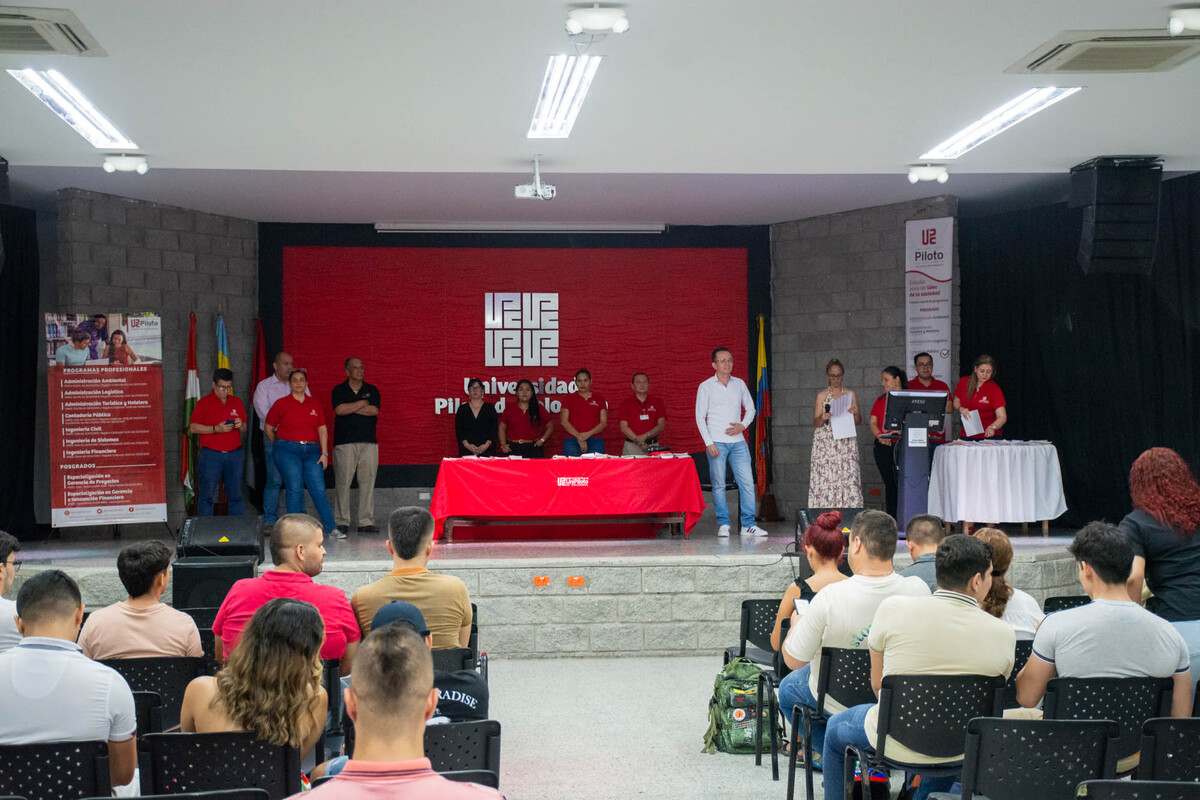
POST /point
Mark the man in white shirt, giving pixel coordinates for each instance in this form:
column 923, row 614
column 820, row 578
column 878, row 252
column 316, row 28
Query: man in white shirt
column 724, row 409
column 270, row 389
column 9, row 635
column 52, row 691
column 841, row 613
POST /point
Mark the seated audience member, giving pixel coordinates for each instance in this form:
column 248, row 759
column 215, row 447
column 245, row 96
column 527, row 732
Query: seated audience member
column 141, row 626
column 52, row 691
column 9, row 564
column 1110, row 637
column 443, row 599
column 298, row 554
column 945, row 633
column 462, row 694
column 271, row 685
column 1007, row 602
column 840, row 615
column 922, row 536
column 823, row 545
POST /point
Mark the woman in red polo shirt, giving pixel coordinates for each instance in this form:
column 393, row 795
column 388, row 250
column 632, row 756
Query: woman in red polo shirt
column 524, row 428
column 296, row 425
column 979, row 392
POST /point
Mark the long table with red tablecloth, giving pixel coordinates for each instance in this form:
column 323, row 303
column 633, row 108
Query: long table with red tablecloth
column 491, row 489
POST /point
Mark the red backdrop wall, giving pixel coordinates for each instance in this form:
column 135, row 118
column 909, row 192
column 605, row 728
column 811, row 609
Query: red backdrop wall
column 415, row 315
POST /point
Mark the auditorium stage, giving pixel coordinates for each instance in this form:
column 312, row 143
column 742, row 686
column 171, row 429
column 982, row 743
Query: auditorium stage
column 666, row 596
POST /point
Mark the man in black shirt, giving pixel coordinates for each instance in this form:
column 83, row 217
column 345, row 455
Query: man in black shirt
column 356, row 448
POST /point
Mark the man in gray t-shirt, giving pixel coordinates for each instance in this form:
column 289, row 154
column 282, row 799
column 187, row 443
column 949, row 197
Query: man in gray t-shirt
column 1111, row 637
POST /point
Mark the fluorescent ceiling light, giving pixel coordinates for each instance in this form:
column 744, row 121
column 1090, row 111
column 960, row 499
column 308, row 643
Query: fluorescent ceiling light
column 60, row 96
column 998, row 121
column 519, row 227
column 564, row 88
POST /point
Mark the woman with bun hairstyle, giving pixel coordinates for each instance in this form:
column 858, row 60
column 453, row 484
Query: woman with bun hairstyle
column 1005, row 601
column 823, row 544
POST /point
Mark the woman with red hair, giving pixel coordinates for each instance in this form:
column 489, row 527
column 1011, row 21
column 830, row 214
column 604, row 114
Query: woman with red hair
column 823, row 543
column 1162, row 529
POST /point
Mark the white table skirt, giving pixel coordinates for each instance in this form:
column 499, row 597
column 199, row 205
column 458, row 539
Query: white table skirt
column 996, row 482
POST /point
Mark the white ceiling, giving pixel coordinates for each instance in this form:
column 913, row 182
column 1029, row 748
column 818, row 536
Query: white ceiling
column 705, row 111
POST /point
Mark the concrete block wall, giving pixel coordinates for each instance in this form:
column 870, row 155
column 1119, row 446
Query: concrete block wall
column 117, row 254
column 837, row 291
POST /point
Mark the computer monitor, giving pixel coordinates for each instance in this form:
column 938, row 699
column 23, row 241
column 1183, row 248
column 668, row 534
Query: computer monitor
column 901, row 403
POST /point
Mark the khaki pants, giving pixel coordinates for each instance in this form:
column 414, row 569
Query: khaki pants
column 361, row 458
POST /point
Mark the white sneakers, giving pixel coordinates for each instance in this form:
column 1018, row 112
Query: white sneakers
column 753, row 530
column 723, row 532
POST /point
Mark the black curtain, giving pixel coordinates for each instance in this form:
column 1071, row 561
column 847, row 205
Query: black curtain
column 21, row 344
column 1104, row 366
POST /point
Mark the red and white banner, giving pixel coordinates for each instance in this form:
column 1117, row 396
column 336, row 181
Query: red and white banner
column 106, row 420
column 929, row 289
column 426, row 319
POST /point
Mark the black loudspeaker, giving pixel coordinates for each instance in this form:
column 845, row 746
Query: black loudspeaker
column 1119, row 197
column 221, row 536
column 203, row 581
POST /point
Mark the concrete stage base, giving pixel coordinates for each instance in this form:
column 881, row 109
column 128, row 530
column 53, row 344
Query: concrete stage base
column 638, row 597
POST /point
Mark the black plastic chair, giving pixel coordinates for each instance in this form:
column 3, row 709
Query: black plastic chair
column 453, row 659
column 758, row 620
column 167, row 676
column 1170, row 750
column 332, row 680
column 1063, row 602
column 1022, row 653
column 1128, row 701
column 208, row 642
column 473, row 641
column 1196, row 702
column 203, row 617
column 459, row 746
column 843, row 675
column 199, row 762
column 481, row 776
column 148, row 706
column 1138, row 790
column 927, row 714
column 63, row 771
column 217, row 794
column 1028, row 759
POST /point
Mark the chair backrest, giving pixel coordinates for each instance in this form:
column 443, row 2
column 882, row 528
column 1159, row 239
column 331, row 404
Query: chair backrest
column 1128, row 701
column 483, row 777
column 148, row 706
column 777, row 663
column 453, row 659
column 1063, row 602
column 208, row 643
column 473, row 642
column 197, row 762
column 218, row 794
column 1021, row 654
column 1170, row 750
column 845, row 675
column 929, row 713
column 1027, row 759
column 203, row 617
column 461, row 746
column 1138, row 790
column 167, row 676
column 758, row 621
column 332, row 680
column 63, row 771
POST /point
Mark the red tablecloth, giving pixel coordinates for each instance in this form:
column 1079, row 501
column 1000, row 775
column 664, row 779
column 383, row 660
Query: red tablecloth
column 540, row 488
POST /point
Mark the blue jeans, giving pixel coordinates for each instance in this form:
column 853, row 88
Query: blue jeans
column 301, row 469
column 1190, row 631
column 215, row 467
column 846, row 729
column 270, row 501
column 571, row 446
column 794, row 691
column 738, row 456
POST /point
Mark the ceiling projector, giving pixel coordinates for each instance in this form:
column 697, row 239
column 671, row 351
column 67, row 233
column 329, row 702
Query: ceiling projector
column 536, row 190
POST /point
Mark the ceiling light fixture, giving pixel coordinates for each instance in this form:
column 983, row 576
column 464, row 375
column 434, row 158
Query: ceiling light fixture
column 72, row 107
column 564, row 88
column 996, row 122
column 928, row 172
column 597, row 20
column 124, row 162
column 1184, row 19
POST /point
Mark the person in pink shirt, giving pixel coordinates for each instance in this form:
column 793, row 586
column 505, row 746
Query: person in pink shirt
column 298, row 554
column 390, row 700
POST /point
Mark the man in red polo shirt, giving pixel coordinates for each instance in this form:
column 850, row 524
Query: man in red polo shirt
column 584, row 417
column 298, row 554
column 641, row 417
column 925, row 382
column 218, row 419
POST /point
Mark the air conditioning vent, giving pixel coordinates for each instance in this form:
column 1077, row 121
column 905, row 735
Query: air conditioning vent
column 1109, row 52
column 45, row 30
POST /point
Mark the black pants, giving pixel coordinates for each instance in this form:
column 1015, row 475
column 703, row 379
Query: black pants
column 529, row 450
column 885, row 459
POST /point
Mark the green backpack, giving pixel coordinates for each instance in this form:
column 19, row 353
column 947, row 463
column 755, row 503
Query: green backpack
column 731, row 723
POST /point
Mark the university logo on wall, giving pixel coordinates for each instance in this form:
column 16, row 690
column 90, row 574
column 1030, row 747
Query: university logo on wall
column 520, row 329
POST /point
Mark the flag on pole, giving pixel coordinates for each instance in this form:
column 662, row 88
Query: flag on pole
column 762, row 427
column 222, row 344
column 188, row 447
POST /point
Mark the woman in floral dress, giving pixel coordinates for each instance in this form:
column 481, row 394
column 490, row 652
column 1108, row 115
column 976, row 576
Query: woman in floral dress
column 835, row 480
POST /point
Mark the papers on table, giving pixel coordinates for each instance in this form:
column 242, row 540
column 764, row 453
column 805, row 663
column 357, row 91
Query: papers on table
column 840, row 422
column 971, row 423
